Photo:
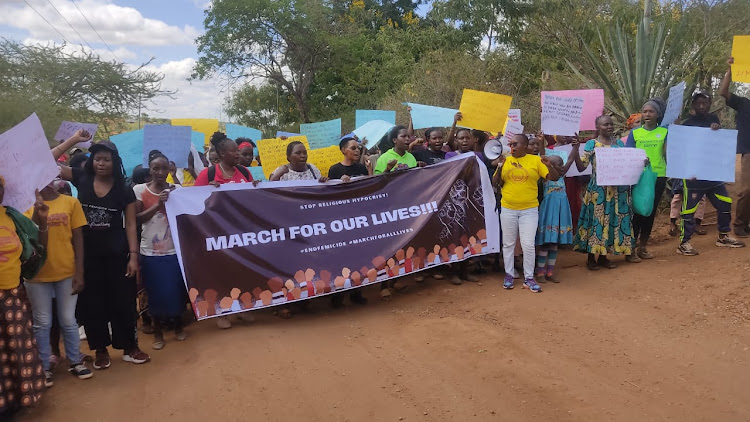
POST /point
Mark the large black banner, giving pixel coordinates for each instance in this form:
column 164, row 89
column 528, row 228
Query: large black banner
column 244, row 248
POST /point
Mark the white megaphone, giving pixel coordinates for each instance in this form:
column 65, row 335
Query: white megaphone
column 493, row 149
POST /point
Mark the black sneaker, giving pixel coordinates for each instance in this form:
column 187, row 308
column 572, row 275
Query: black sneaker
column 81, row 371
column 48, row 379
column 742, row 232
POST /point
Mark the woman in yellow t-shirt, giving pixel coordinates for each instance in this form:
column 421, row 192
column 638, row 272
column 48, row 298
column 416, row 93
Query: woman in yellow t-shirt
column 518, row 175
column 20, row 364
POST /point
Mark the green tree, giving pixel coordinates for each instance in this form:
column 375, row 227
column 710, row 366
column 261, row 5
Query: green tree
column 59, row 85
column 284, row 42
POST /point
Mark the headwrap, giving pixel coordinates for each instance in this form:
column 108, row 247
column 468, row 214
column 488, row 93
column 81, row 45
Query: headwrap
column 633, row 118
column 245, row 145
column 659, row 105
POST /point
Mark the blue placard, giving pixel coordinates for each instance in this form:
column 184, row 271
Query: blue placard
column 130, row 149
column 701, row 153
column 322, row 134
column 237, row 131
column 364, row 116
column 424, row 116
column 372, row 131
column 280, row 133
column 257, row 173
column 172, row 141
column 198, row 139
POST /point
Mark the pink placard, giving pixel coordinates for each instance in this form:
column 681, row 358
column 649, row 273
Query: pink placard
column 593, row 104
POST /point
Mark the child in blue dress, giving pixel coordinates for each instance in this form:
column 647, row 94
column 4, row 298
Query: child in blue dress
column 555, row 220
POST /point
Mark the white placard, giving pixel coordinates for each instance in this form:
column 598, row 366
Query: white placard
column 512, row 129
column 687, row 157
column 573, row 171
column 561, row 115
column 26, row 163
column 674, row 104
column 619, row 166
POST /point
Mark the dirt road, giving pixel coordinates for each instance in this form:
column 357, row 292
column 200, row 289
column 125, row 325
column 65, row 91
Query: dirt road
column 661, row 340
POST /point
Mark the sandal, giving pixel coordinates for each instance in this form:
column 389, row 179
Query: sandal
column 700, row 231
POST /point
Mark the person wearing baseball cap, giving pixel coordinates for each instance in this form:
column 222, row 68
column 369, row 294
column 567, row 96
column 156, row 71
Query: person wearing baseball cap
column 110, row 253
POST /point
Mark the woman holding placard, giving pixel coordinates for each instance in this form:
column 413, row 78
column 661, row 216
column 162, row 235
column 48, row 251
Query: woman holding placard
column 651, row 138
column 604, row 226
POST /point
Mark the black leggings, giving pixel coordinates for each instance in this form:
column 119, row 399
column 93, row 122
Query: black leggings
column 642, row 226
column 108, row 297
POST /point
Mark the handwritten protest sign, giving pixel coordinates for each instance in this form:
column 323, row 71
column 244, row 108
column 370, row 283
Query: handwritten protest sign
column 424, row 116
column 561, row 115
column 688, row 158
column 619, row 166
column 324, row 158
column 674, row 104
column 237, row 131
column 130, row 148
column 280, row 133
column 68, row 129
column 514, row 114
column 593, row 104
column 513, row 129
column 205, row 126
column 373, row 131
column 364, row 116
column 272, row 152
column 26, row 163
column 484, row 110
column 322, row 134
column 172, row 141
column 573, row 171
column 741, row 54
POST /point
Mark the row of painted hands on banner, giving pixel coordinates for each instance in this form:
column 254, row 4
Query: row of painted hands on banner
column 308, row 283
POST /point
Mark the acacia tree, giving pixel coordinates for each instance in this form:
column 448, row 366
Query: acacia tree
column 283, row 42
column 59, row 85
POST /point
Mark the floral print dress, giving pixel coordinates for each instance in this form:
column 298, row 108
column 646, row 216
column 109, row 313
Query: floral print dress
column 604, row 226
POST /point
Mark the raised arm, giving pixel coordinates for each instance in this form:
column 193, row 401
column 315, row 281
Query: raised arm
column 451, row 140
column 80, row 136
column 410, row 129
column 724, row 85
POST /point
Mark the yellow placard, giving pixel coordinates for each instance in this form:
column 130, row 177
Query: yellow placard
column 324, row 158
column 741, row 54
column 484, row 110
column 205, row 126
column 272, row 152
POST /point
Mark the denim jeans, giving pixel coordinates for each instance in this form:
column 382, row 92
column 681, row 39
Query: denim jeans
column 523, row 222
column 40, row 295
